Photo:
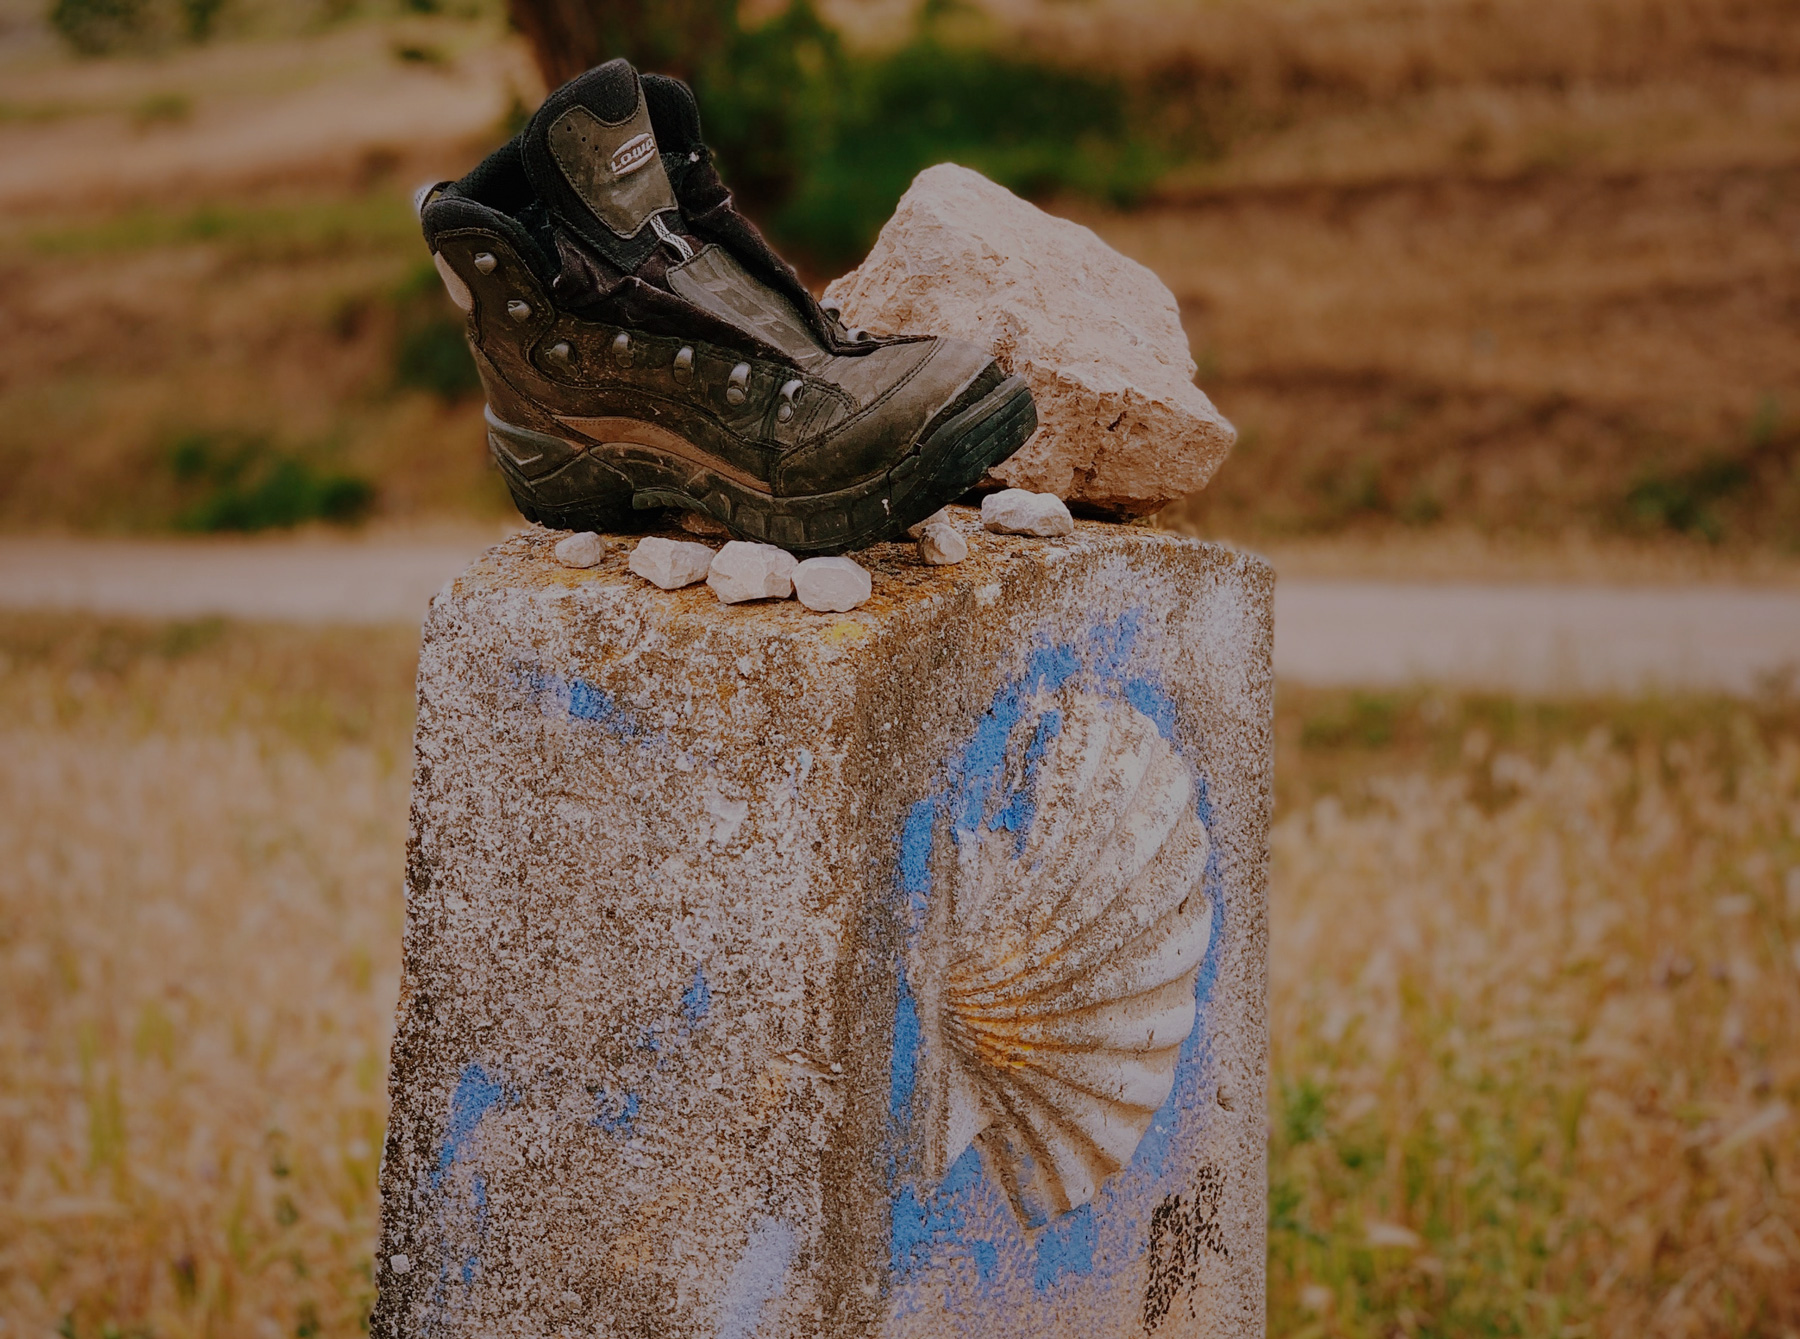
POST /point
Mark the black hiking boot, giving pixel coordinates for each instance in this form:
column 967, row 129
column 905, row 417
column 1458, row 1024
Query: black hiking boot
column 643, row 347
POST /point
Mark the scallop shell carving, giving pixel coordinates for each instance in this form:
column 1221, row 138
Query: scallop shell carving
column 1058, row 977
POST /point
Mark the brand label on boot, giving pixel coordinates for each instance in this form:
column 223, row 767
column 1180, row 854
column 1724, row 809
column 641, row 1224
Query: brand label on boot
column 632, row 154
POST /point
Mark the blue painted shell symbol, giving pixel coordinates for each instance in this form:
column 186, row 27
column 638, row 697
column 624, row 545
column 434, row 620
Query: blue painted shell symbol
column 1057, row 981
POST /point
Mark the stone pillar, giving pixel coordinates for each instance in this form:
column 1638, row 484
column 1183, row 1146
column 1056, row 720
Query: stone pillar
column 893, row 973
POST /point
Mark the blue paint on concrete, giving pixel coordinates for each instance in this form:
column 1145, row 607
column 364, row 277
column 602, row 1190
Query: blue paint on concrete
column 915, row 851
column 931, row 1222
column 983, row 762
column 1112, row 648
column 576, row 699
column 909, row 1232
column 697, row 1002
column 1050, row 667
column 903, row 1070
column 615, row 1113
column 921, row 1227
column 588, row 703
column 987, row 1259
column 1065, row 1247
column 1154, row 703
column 1016, row 814
column 476, row 1094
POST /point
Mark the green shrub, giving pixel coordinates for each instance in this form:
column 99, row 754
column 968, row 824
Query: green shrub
column 238, row 482
column 430, row 353
column 821, row 143
column 1036, row 129
column 96, row 26
column 433, row 356
column 1686, row 501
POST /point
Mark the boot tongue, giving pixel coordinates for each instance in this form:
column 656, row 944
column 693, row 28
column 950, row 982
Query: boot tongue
column 591, row 154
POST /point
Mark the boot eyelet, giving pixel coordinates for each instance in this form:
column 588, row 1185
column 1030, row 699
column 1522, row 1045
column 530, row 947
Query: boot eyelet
column 735, row 384
column 558, row 353
column 519, row 311
column 684, row 364
column 622, row 354
column 790, row 392
column 485, row 262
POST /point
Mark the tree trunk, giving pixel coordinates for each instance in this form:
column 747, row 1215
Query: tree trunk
column 666, row 36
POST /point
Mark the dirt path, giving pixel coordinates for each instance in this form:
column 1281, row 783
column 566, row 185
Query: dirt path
column 237, row 115
column 1525, row 638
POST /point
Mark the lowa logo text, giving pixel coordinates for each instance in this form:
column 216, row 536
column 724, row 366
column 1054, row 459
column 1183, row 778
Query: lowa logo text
column 632, row 154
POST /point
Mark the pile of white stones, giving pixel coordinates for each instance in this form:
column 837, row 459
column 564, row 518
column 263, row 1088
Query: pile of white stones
column 744, row 570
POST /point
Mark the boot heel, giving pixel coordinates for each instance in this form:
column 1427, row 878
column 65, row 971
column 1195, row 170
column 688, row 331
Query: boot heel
column 558, row 484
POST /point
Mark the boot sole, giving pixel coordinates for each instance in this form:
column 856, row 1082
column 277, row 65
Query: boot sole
column 610, row 487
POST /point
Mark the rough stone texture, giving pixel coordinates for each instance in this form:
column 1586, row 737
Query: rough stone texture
column 939, row 517
column 942, row 544
column 1013, row 511
column 581, row 550
column 670, row 563
column 745, row 570
column 1123, row 430
column 831, row 585
column 695, row 892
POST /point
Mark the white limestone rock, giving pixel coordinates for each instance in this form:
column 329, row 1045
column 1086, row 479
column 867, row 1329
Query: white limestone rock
column 1014, row 511
column 831, row 585
column 1122, row 428
column 581, row 550
column 744, row 570
column 939, row 517
column 670, row 563
column 942, row 545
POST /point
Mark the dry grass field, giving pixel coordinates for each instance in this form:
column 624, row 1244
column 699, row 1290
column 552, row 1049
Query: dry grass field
column 1491, row 287
column 1536, row 984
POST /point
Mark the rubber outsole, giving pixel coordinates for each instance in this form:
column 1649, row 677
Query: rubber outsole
column 612, row 486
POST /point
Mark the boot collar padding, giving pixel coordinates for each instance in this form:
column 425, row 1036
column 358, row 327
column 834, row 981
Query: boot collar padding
column 614, row 169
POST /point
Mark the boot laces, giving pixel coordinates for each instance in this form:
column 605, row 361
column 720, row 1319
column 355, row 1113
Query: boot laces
column 675, row 243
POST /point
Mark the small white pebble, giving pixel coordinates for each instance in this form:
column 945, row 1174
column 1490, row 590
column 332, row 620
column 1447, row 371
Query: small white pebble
column 744, row 570
column 400, row 1264
column 670, row 563
column 986, row 595
column 831, row 585
column 1055, row 554
column 941, row 545
column 581, row 550
column 939, row 517
column 1013, row 511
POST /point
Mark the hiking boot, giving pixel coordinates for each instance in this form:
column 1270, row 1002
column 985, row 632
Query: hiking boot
column 643, row 347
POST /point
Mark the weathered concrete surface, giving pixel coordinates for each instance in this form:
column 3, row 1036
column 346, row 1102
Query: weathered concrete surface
column 723, row 924
column 1122, row 428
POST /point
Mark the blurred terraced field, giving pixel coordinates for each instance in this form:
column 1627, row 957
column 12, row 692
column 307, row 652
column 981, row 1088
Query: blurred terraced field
column 1511, row 269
